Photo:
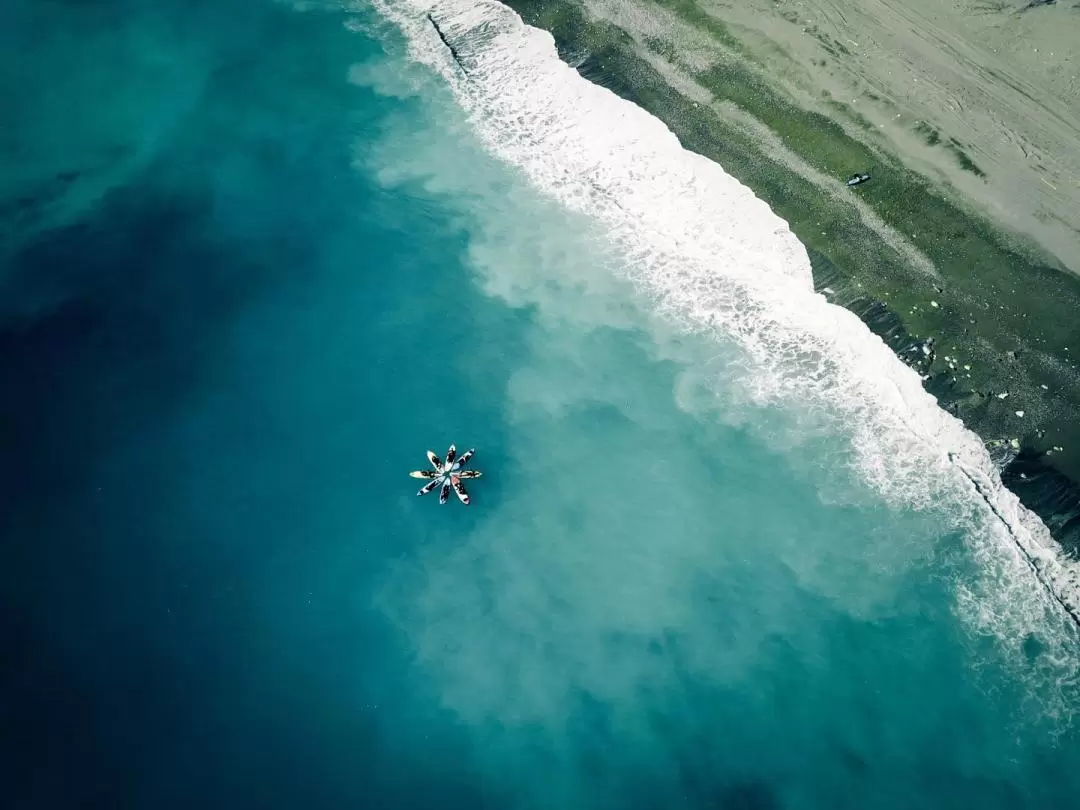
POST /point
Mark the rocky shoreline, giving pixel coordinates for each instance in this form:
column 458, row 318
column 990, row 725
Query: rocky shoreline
column 985, row 317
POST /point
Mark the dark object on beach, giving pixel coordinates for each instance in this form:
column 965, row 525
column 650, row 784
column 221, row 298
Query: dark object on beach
column 857, row 179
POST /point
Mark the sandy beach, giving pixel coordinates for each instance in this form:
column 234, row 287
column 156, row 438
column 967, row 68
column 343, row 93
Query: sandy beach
column 982, row 97
column 1001, row 78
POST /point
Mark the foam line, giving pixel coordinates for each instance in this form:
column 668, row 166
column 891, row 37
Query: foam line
column 714, row 256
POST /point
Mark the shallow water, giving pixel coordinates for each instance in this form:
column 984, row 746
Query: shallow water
column 227, row 349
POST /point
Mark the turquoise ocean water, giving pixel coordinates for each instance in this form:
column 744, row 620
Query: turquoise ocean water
column 259, row 258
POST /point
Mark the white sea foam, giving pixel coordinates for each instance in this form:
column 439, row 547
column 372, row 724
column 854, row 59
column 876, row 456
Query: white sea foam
column 717, row 260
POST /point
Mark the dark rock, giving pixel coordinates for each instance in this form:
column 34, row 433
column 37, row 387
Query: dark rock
column 1049, row 494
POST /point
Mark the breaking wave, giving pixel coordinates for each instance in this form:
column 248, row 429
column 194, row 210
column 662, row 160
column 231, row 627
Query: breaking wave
column 715, row 259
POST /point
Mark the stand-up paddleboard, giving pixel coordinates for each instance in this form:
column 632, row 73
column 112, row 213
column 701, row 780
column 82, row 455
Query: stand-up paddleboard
column 447, row 475
column 429, row 486
column 459, row 489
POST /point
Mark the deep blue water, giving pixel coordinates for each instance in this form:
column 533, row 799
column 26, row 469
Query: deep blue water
column 210, row 388
column 282, row 272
